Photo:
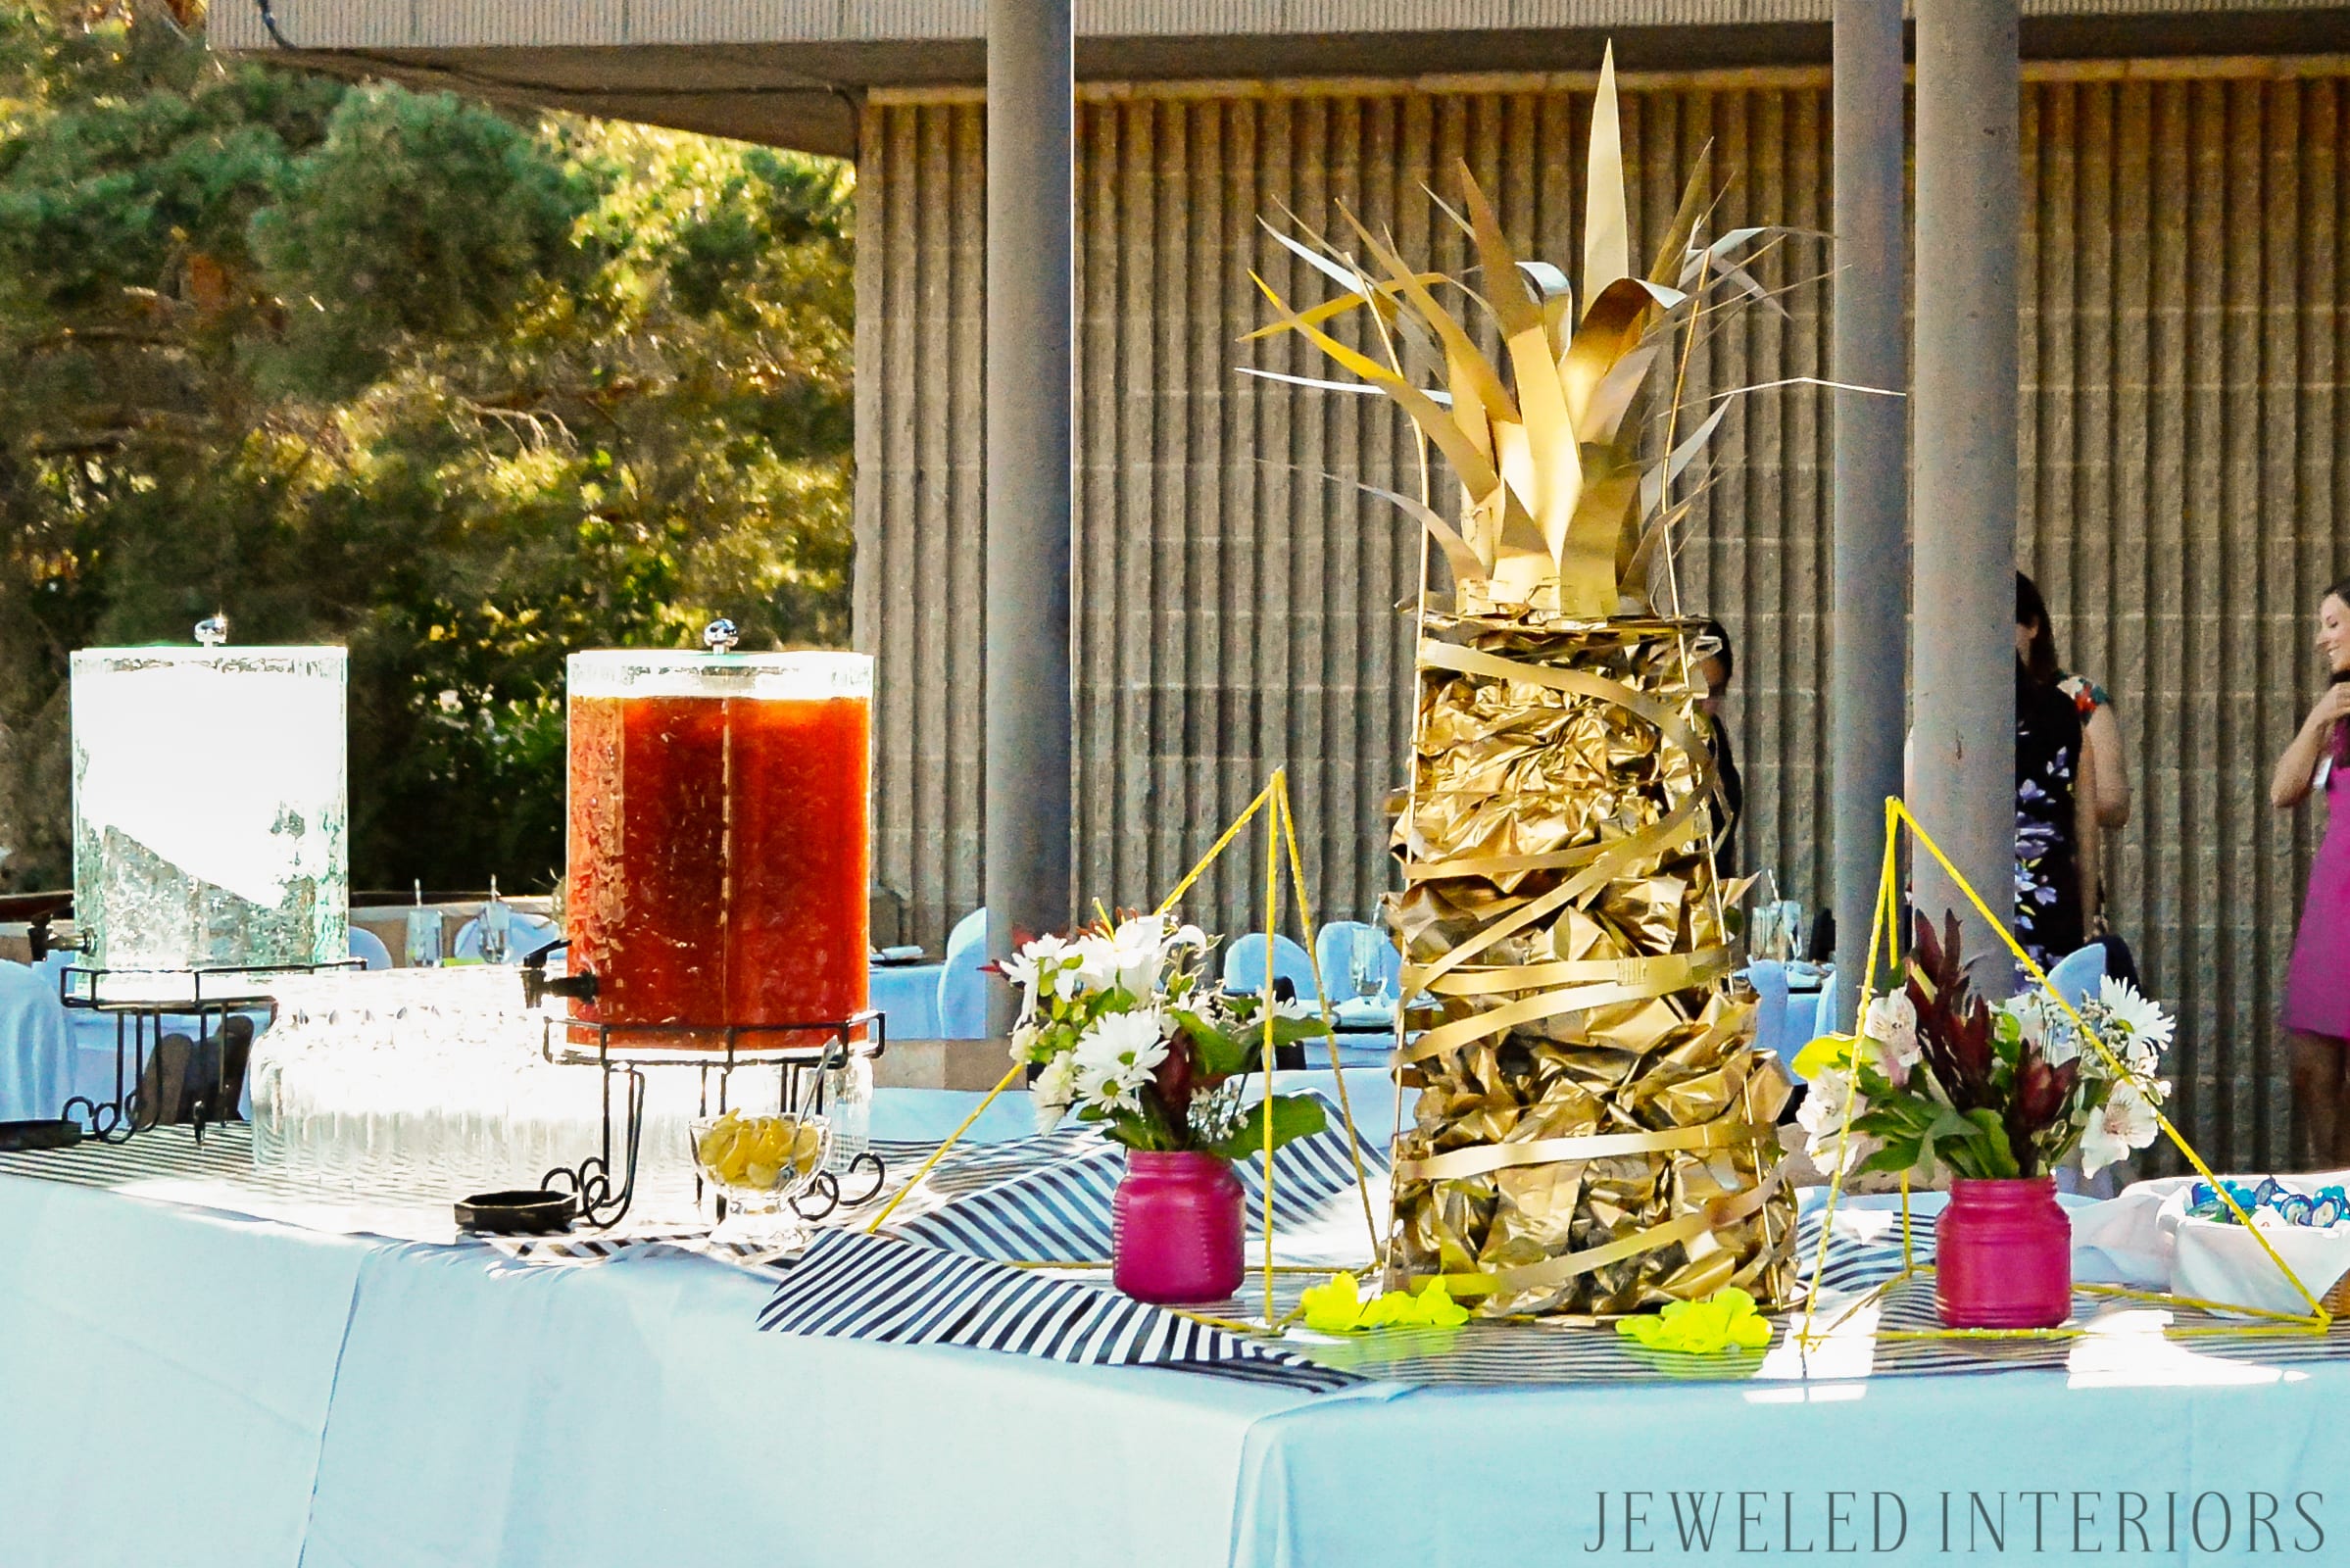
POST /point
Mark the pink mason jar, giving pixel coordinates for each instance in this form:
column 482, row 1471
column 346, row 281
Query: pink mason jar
column 1176, row 1227
column 2003, row 1255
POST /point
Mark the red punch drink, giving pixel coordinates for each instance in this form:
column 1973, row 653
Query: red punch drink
column 719, row 845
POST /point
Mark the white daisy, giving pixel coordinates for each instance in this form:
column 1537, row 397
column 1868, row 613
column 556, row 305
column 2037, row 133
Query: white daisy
column 1117, row 1055
column 1055, row 1091
column 2143, row 1019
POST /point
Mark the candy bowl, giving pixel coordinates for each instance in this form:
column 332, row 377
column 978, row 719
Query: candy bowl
column 759, row 1166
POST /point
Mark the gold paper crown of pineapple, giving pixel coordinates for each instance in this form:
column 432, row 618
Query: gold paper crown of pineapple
column 1561, row 511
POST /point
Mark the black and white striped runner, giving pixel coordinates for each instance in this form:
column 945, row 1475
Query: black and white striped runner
column 1057, row 1208
column 940, row 1278
column 852, row 1286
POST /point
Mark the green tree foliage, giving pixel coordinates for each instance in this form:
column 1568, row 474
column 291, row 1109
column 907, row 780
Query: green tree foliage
column 464, row 392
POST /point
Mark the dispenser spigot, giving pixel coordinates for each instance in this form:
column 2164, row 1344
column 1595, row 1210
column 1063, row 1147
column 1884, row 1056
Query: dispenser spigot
column 537, row 986
column 40, row 941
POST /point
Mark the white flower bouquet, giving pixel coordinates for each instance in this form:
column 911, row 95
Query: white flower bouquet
column 1120, row 1028
column 1939, row 1082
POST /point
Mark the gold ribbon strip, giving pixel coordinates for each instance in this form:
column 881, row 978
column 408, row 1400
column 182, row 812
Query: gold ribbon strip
column 1497, row 866
column 1668, row 971
column 1472, row 662
column 1662, row 836
column 1532, row 1010
column 1454, row 1164
column 1728, row 1209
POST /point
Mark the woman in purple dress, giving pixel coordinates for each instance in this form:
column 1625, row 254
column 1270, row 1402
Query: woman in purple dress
column 2317, row 988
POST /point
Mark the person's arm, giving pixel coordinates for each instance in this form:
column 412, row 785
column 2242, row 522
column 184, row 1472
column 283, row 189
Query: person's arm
column 2089, row 838
column 2101, row 745
column 2297, row 768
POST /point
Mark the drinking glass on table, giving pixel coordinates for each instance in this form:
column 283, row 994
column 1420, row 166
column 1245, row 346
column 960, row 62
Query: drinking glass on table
column 497, row 925
column 424, row 937
column 1362, row 963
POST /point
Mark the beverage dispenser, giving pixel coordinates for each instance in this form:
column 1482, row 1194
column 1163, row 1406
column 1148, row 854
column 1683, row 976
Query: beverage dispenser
column 210, row 818
column 718, row 843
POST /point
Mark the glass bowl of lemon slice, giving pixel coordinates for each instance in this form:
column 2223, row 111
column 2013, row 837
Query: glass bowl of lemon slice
column 759, row 1164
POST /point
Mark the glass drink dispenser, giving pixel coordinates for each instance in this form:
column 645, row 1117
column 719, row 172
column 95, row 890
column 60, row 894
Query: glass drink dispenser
column 719, row 841
column 210, row 820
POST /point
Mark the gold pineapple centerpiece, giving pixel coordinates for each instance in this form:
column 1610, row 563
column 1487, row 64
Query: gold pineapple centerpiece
column 1594, row 1129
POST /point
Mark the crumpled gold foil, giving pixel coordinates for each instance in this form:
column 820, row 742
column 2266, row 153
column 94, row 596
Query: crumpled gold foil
column 1576, row 755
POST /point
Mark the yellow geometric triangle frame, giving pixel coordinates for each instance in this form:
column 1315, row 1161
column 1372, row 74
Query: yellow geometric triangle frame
column 1281, row 834
column 1884, row 927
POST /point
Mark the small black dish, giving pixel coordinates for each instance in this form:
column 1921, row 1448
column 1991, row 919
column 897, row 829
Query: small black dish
column 530, row 1212
column 59, row 1133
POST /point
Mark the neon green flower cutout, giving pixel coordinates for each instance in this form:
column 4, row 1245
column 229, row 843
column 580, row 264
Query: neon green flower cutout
column 1723, row 1321
column 1338, row 1307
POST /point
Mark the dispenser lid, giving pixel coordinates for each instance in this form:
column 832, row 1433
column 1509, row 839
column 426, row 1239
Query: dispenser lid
column 801, row 675
column 226, row 656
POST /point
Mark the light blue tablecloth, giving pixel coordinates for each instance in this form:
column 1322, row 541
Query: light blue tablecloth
column 1446, row 1494
column 182, row 1387
column 36, row 1054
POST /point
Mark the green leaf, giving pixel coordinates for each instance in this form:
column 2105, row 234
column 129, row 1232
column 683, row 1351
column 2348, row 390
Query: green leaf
column 1214, row 1054
column 1999, row 1161
column 1294, row 1116
column 1289, row 1031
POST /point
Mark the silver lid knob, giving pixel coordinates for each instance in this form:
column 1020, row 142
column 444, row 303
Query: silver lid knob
column 720, row 636
column 212, row 630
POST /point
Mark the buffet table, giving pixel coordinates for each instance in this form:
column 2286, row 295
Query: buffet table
column 273, row 1394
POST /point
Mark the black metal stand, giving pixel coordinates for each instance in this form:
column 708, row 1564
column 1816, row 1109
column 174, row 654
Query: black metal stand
column 210, row 996
column 605, row 1181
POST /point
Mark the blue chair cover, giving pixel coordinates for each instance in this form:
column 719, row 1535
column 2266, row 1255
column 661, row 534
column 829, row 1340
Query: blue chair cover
column 1245, row 964
column 368, row 949
column 2077, row 975
column 962, row 989
column 36, row 1054
column 1831, row 1005
column 1334, row 944
column 1768, row 976
column 907, row 996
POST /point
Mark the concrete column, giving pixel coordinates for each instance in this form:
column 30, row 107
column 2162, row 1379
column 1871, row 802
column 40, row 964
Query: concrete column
column 1031, row 98
column 1970, row 208
column 1869, row 647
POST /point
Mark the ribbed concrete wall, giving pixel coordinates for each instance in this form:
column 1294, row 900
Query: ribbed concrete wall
column 2186, row 499
column 2188, row 461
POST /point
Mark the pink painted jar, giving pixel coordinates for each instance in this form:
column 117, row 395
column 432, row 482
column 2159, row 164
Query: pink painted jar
column 2003, row 1255
column 1176, row 1227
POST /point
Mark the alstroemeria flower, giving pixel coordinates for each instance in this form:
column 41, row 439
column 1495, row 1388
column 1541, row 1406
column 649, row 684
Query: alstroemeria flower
column 1096, row 969
column 2125, row 1122
column 1893, row 1023
column 1822, row 1118
column 1139, row 954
